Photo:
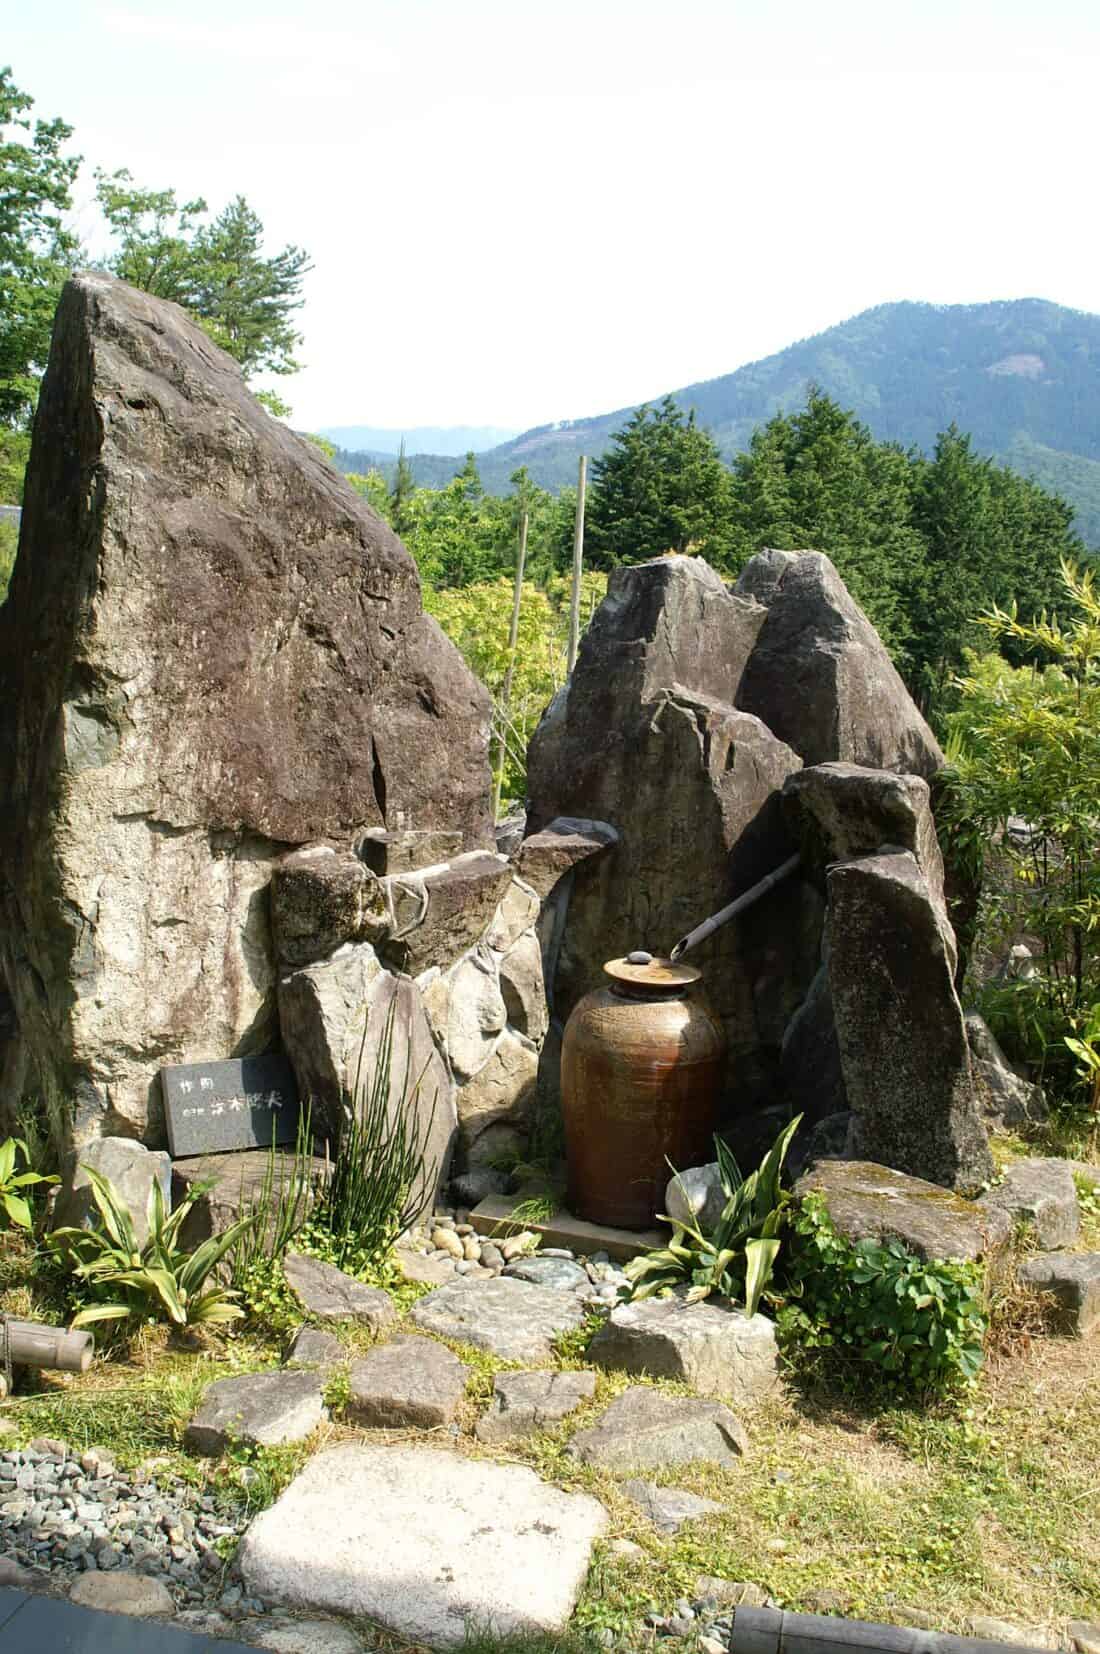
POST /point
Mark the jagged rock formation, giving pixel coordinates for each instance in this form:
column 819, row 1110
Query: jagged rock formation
column 212, row 651
column 820, row 676
column 900, row 1027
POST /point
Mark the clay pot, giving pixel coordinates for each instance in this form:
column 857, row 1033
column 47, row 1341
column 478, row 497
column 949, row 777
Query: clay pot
column 641, row 1070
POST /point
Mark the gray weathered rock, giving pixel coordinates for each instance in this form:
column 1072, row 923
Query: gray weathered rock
column 131, row 1169
column 820, row 676
column 718, row 1350
column 306, row 1637
column 523, row 988
column 409, row 1381
column 334, row 1016
column 1085, row 1636
column 644, row 1428
column 123, row 1592
column 265, row 1409
column 869, row 1202
column 406, row 850
column 840, row 810
column 328, row 1294
column 696, row 1196
column 810, row 1070
column 518, row 912
column 827, row 1140
column 501, row 1094
column 212, row 651
column 526, row 1402
column 668, row 1508
column 321, row 899
column 383, row 1533
column 546, row 856
column 313, row 1347
column 693, row 787
column 228, row 1185
column 560, row 1273
column 1042, row 1194
column 443, row 911
column 899, row 1024
column 1073, row 1278
column 1007, row 1098
column 513, row 1319
column 476, row 1013
column 647, row 737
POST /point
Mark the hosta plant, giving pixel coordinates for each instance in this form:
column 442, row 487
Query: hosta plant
column 737, row 1260
column 15, row 1204
column 157, row 1280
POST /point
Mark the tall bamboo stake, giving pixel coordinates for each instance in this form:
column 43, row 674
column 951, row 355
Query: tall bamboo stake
column 513, row 635
column 578, row 559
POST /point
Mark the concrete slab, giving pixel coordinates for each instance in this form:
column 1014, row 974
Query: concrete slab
column 493, row 1217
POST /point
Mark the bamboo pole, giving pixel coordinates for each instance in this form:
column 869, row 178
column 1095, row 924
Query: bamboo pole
column 578, row 560
column 506, row 693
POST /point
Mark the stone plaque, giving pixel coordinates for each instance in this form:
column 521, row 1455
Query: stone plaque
column 244, row 1103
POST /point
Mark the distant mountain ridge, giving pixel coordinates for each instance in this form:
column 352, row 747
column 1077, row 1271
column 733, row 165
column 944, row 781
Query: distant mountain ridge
column 1022, row 376
column 446, row 440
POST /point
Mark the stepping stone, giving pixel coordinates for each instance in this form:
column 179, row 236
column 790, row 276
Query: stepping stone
column 525, row 1402
column 311, row 1347
column 1073, row 1278
column 560, row 1273
column 668, row 1508
column 388, row 1534
column 328, row 1294
column 306, row 1637
column 718, row 1350
column 1042, row 1193
column 410, row 1381
column 515, row 1320
column 643, row 1428
column 870, row 1202
column 265, row 1409
column 1085, row 1636
column 123, row 1593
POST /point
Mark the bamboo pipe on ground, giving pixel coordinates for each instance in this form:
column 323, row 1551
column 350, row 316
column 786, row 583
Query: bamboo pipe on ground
column 773, row 1631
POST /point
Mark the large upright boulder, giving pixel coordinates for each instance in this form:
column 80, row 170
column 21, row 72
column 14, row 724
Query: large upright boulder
column 903, row 1045
column 820, row 676
column 212, row 652
column 647, row 737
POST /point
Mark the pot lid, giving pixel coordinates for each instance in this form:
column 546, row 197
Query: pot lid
column 649, row 970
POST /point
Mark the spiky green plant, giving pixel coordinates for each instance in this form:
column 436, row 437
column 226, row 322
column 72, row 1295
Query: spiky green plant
column 380, row 1183
column 280, row 1208
column 155, row 1281
column 737, row 1260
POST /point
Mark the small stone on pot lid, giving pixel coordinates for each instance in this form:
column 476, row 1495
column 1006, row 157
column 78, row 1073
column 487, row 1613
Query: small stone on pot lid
column 640, row 957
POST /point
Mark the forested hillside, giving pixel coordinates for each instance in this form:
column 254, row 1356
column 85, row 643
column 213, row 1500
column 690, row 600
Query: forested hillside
column 1021, row 377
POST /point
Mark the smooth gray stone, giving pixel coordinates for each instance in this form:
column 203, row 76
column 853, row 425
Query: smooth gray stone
column 410, row 1381
column 525, row 1402
column 644, row 1428
column 330, row 1295
column 268, row 1409
column 668, row 1508
column 515, row 1320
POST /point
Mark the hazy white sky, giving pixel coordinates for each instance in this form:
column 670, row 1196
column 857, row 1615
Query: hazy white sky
column 540, row 209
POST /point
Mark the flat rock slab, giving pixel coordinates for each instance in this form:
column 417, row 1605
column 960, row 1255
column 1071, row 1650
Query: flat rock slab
column 559, row 1273
column 1073, row 1278
column 410, row 1381
column 668, row 1508
column 492, row 1216
column 643, row 1428
column 312, row 1347
column 385, row 1533
column 718, row 1350
column 513, row 1319
column 1042, row 1193
column 870, row 1202
column 330, row 1295
column 307, row 1637
column 266, row 1409
column 525, row 1402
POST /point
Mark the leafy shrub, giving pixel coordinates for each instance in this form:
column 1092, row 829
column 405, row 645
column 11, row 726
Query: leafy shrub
column 15, row 1205
column 915, row 1324
column 738, row 1259
column 156, row 1281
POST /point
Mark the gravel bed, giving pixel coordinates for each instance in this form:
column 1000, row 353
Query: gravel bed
column 63, row 1514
